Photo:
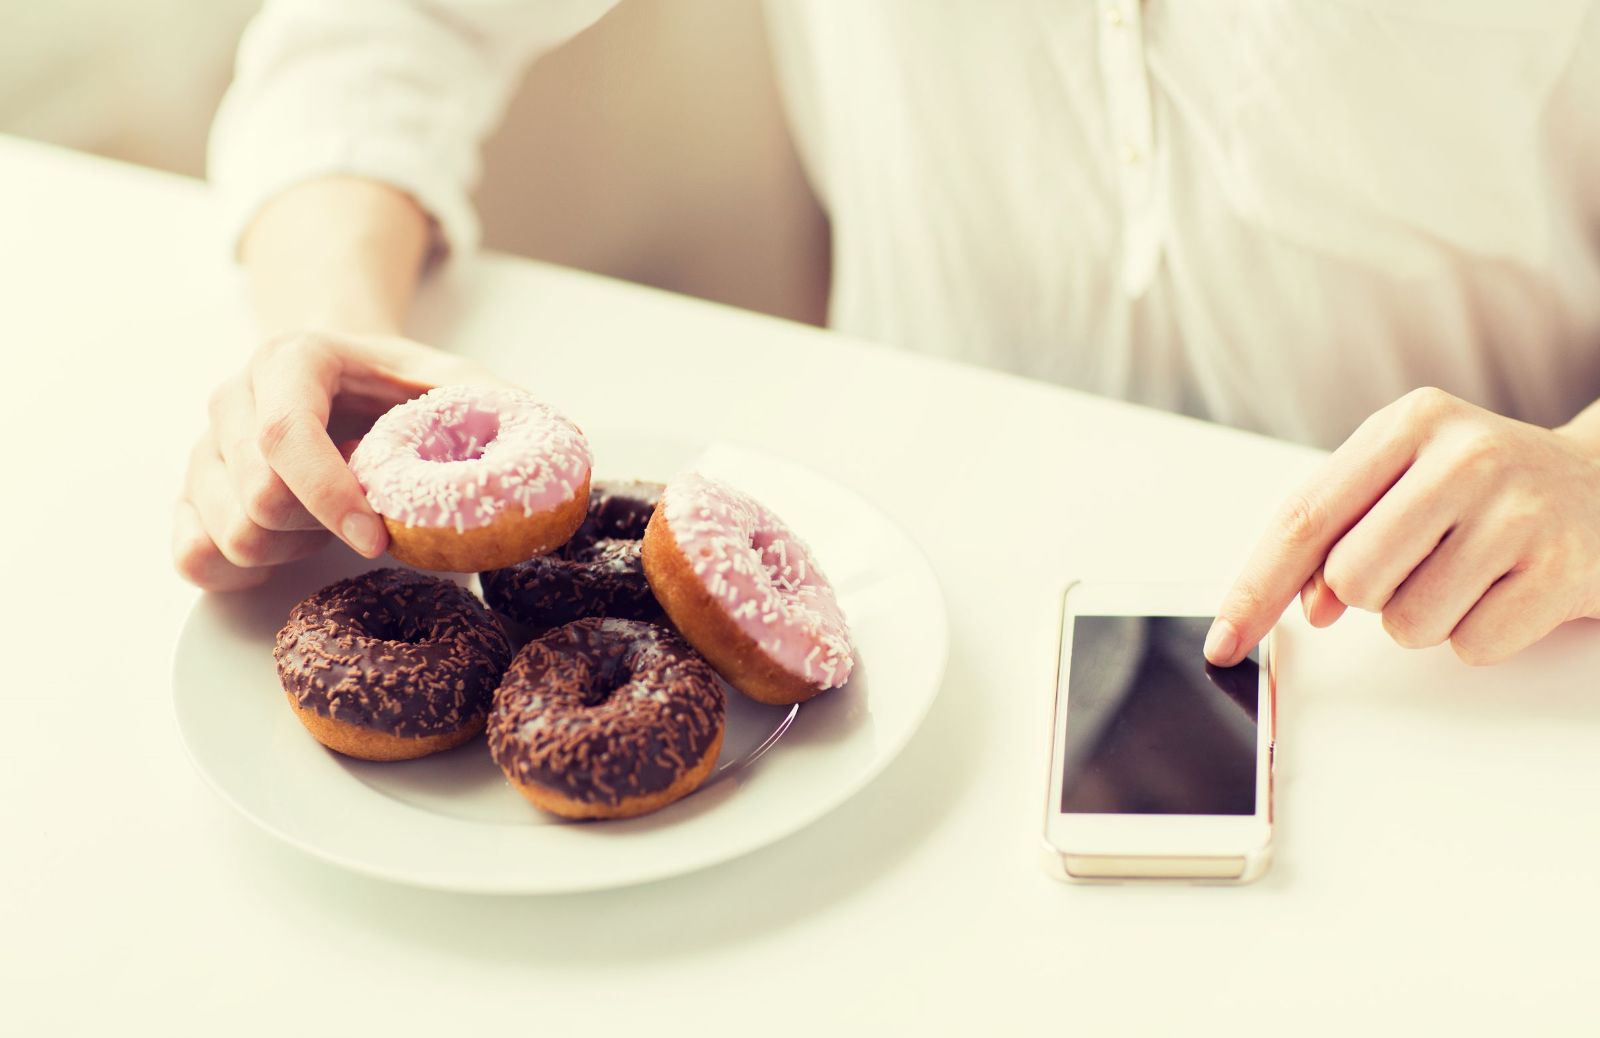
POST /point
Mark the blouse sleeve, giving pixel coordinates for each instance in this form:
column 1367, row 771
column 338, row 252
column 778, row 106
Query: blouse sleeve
column 399, row 91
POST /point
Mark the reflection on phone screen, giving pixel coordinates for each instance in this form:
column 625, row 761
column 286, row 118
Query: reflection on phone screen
column 1152, row 728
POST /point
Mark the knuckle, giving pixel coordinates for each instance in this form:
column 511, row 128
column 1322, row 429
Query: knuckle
column 1565, row 549
column 1410, row 631
column 1474, row 652
column 274, row 429
column 200, row 452
column 1301, row 520
column 1477, row 454
column 335, row 492
column 1425, row 404
column 217, row 402
column 239, row 450
column 1524, row 523
column 1345, row 577
column 243, row 544
column 194, row 557
column 267, row 502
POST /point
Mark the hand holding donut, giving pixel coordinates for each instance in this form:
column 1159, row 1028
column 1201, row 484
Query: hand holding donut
column 265, row 481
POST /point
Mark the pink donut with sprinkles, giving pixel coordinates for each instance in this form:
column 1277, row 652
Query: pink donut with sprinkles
column 470, row 478
column 746, row 592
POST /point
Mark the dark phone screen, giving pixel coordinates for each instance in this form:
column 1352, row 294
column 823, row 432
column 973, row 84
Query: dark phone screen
column 1152, row 728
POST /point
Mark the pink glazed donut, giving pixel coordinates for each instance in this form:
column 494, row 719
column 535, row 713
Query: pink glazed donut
column 745, row 591
column 470, row 478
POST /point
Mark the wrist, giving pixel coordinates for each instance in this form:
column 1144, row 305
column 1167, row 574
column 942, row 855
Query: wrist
column 339, row 255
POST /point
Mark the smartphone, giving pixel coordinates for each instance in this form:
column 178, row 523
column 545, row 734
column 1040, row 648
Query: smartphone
column 1160, row 763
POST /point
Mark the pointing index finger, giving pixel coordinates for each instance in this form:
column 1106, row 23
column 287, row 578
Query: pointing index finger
column 1306, row 528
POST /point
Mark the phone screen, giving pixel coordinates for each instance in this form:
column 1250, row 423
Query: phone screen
column 1152, row 728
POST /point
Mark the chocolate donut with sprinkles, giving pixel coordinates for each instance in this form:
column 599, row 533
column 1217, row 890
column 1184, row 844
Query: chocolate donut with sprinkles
column 606, row 718
column 472, row 478
column 596, row 573
column 743, row 589
column 391, row 665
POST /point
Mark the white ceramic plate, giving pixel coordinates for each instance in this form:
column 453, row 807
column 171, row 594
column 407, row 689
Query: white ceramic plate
column 451, row 822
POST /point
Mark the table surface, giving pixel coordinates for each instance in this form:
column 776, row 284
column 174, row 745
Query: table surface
column 1439, row 827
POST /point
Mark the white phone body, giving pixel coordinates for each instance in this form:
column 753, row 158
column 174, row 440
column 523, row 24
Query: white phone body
column 1104, row 828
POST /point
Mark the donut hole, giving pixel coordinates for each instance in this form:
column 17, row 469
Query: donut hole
column 620, row 516
column 388, row 623
column 464, row 439
column 607, row 674
column 611, row 533
column 784, row 566
column 616, row 556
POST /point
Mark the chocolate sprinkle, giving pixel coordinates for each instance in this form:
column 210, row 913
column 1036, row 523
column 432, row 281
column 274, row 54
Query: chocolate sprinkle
column 603, row 709
column 596, row 573
column 393, row 651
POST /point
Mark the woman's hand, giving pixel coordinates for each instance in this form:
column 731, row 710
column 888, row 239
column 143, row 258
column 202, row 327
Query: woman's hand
column 266, row 482
column 1453, row 522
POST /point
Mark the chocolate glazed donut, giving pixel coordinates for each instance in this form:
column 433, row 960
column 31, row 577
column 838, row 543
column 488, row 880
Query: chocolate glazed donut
column 606, row 718
column 596, row 573
column 391, row 665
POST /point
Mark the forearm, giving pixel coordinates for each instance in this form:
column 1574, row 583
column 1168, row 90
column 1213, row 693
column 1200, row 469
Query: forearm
column 338, row 254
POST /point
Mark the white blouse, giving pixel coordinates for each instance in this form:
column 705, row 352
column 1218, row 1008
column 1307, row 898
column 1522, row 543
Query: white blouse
column 1280, row 216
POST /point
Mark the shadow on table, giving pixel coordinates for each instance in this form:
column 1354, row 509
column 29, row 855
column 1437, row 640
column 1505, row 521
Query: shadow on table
column 840, row 856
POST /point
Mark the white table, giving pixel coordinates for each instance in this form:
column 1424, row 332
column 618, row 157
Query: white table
column 1438, row 852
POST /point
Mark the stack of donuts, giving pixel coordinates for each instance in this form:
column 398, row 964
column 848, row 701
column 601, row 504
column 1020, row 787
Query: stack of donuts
column 633, row 599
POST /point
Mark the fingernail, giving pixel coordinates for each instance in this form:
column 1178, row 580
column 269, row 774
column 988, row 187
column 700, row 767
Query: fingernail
column 1308, row 600
column 1221, row 642
column 363, row 533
